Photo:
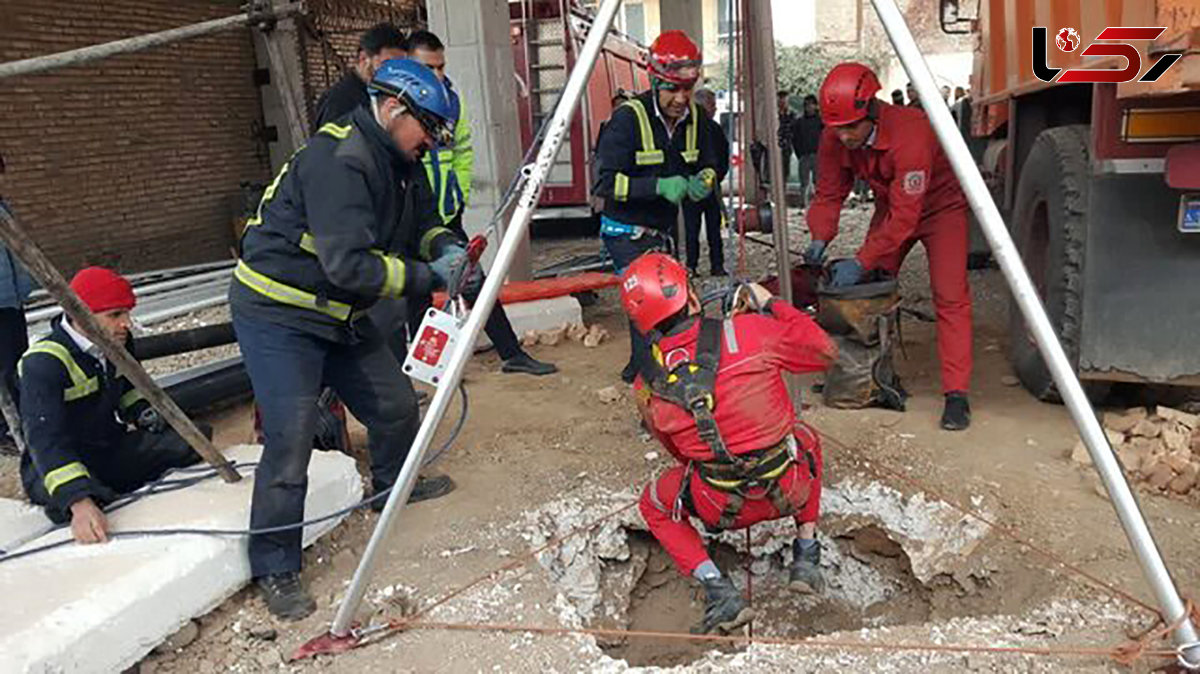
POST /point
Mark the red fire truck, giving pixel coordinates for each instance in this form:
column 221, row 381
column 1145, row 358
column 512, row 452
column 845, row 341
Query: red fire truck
column 546, row 38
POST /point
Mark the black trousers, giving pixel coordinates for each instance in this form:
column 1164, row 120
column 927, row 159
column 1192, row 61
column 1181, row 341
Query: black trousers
column 14, row 341
column 139, row 458
column 710, row 209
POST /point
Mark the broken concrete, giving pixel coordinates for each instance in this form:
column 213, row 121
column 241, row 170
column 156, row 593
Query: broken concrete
column 539, row 315
column 101, row 608
column 20, row 523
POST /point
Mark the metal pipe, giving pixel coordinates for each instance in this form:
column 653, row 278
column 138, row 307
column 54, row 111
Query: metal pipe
column 779, row 228
column 560, row 124
column 150, row 347
column 1023, row 290
column 95, row 52
column 143, row 292
column 44, row 272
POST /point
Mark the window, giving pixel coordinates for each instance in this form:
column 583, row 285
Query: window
column 635, row 21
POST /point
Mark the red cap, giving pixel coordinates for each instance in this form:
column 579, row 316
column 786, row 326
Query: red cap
column 846, row 93
column 675, row 58
column 653, row 289
column 103, row 289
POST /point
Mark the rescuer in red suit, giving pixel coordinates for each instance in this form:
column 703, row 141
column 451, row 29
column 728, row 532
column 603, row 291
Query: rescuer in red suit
column 715, row 397
column 917, row 198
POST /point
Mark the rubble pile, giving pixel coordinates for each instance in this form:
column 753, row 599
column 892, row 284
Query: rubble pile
column 591, row 336
column 1160, row 449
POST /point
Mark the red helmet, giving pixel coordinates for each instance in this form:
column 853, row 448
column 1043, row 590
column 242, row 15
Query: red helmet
column 675, row 58
column 847, row 93
column 653, row 289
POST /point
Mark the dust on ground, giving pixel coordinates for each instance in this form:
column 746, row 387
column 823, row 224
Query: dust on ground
column 530, row 442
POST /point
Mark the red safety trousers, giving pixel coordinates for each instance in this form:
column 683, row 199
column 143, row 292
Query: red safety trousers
column 669, row 522
column 917, row 198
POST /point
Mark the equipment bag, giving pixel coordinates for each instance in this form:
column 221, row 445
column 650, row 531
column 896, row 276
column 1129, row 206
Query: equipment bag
column 864, row 322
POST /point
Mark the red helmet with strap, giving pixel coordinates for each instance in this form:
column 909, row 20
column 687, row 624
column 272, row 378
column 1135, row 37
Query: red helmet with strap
column 675, row 58
column 847, row 93
column 653, row 289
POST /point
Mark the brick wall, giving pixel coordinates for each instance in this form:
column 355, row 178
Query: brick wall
column 133, row 161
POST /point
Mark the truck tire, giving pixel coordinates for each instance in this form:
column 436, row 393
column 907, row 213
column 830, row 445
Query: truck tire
column 1050, row 231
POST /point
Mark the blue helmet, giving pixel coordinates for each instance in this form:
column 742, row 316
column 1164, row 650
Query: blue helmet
column 421, row 92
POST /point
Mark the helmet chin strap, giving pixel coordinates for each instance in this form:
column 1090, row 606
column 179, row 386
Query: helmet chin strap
column 376, row 112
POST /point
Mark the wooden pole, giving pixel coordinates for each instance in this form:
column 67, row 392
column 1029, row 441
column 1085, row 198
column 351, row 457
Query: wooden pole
column 289, row 97
column 26, row 250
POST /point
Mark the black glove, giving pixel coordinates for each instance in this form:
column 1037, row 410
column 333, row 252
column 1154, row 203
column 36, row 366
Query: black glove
column 151, row 421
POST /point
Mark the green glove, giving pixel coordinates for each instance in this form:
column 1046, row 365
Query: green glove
column 701, row 184
column 673, row 189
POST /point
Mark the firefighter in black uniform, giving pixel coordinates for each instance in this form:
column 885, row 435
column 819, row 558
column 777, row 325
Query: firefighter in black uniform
column 654, row 153
column 347, row 221
column 77, row 413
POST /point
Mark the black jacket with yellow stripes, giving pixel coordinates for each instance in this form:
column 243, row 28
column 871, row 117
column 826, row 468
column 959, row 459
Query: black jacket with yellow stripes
column 74, row 413
column 633, row 152
column 347, row 221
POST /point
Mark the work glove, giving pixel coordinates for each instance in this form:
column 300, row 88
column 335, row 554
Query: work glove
column 473, row 283
column 815, row 253
column 673, row 189
column 701, row 184
column 444, row 266
column 844, row 273
column 151, row 421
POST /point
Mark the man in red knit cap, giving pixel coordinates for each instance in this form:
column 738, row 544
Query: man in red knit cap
column 91, row 435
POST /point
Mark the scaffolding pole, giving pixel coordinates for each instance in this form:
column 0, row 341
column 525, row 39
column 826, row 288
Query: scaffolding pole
column 24, row 249
column 556, row 132
column 1155, row 570
column 95, row 52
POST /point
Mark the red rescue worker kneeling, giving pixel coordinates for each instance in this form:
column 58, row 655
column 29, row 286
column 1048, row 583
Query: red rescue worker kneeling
column 716, row 400
column 917, row 198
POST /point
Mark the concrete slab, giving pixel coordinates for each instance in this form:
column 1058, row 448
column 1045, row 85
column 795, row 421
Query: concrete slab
column 101, row 608
column 539, row 315
column 20, row 523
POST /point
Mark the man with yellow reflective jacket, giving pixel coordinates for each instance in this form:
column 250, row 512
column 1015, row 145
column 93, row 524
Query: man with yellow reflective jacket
column 653, row 154
column 348, row 221
column 450, row 167
column 91, row 435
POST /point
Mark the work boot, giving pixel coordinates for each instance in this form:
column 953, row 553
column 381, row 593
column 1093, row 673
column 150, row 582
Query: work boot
column 718, row 272
column 805, row 576
column 285, row 596
column 957, row 414
column 526, row 364
column 724, row 608
column 425, row 489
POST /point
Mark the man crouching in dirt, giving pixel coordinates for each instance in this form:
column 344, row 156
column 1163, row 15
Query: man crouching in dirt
column 716, row 399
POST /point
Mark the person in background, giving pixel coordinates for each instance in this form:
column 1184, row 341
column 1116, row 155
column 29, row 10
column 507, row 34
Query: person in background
column 710, row 206
column 786, row 118
column 806, row 136
column 946, row 94
column 15, row 286
column 450, row 169
column 914, row 101
column 379, row 43
column 897, row 97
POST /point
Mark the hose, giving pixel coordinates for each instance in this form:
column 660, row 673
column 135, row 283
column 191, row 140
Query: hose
column 203, row 473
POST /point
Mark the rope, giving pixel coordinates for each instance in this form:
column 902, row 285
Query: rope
column 1127, row 654
column 1073, row 651
column 525, row 558
column 882, row 470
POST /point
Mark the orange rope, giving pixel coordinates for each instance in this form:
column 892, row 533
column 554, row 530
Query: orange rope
column 400, row 625
column 1127, row 654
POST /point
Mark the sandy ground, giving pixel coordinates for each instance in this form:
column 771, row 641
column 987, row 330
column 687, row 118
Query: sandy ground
column 529, row 441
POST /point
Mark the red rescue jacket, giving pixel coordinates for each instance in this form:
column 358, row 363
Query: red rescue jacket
column 906, row 169
column 753, row 410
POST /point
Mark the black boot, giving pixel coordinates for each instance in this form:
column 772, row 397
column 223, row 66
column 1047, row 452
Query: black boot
column 285, row 596
column 724, row 608
column 957, row 414
column 630, row 372
column 805, row 576
column 425, row 489
column 526, row 364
